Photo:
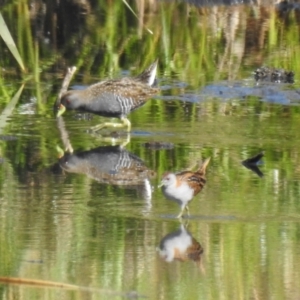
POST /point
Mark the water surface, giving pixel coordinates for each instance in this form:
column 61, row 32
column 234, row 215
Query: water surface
column 77, row 219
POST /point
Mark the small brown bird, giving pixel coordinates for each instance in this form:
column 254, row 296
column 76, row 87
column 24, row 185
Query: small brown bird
column 183, row 186
column 114, row 98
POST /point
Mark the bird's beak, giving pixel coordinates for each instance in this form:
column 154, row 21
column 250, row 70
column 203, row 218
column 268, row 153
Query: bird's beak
column 61, row 110
column 60, row 152
column 160, row 185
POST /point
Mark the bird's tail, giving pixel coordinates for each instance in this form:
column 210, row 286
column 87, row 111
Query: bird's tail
column 202, row 168
column 148, row 76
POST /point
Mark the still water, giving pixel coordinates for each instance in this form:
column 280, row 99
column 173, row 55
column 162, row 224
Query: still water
column 93, row 224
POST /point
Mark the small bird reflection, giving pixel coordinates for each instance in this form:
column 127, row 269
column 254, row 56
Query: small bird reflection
column 180, row 245
column 252, row 162
column 111, row 165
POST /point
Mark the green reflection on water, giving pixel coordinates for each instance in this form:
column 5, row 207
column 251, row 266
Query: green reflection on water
column 68, row 227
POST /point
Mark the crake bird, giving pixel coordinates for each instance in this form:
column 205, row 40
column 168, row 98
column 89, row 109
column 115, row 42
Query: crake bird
column 183, row 186
column 114, row 98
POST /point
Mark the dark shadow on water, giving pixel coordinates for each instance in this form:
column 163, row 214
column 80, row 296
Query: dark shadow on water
column 252, row 164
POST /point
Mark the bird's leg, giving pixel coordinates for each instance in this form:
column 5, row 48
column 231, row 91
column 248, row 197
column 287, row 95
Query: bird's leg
column 181, row 213
column 121, row 140
column 188, row 210
column 186, row 224
column 125, row 123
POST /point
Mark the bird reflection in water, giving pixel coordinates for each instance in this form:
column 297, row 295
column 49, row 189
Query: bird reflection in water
column 180, row 245
column 111, row 165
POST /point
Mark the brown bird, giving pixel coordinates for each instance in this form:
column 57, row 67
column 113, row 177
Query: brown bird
column 183, row 186
column 114, row 98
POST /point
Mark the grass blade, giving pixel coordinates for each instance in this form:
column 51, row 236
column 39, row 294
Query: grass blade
column 129, row 7
column 5, row 34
